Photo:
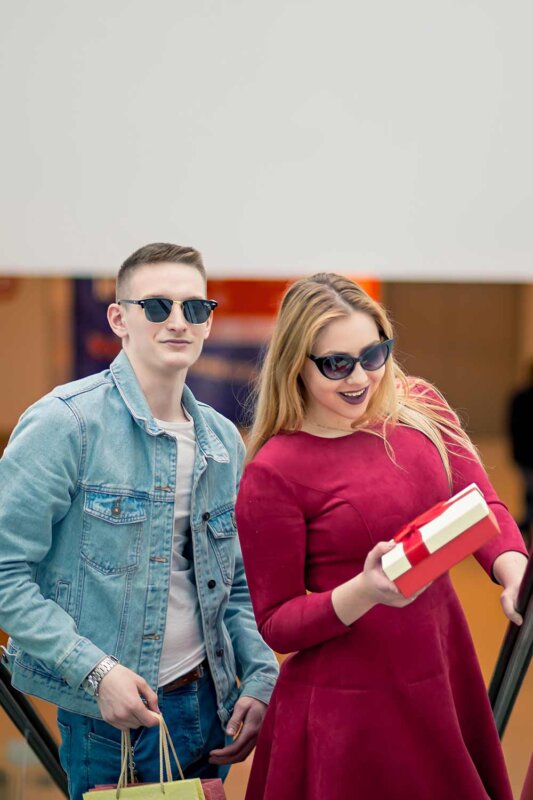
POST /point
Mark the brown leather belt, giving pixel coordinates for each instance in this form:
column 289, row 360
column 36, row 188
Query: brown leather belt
column 189, row 677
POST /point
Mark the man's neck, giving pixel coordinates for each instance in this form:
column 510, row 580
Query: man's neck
column 163, row 392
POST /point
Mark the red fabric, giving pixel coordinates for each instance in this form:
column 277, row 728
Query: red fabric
column 393, row 706
column 527, row 791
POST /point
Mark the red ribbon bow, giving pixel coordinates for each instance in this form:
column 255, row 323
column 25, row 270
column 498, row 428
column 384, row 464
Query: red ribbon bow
column 411, row 536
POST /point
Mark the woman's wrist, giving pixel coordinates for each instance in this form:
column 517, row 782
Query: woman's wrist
column 352, row 599
column 509, row 567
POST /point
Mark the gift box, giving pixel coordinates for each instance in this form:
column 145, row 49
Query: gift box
column 438, row 539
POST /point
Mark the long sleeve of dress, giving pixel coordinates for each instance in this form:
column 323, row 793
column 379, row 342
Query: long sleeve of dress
column 273, row 535
column 467, row 469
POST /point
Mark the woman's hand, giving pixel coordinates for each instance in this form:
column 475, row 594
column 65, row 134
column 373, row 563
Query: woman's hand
column 357, row 596
column 376, row 585
column 509, row 570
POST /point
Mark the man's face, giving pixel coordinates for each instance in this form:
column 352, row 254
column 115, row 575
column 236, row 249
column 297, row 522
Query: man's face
column 169, row 346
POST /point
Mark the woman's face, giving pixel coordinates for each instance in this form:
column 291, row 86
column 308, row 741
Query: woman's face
column 337, row 403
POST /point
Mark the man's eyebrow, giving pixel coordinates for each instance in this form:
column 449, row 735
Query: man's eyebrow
column 156, row 296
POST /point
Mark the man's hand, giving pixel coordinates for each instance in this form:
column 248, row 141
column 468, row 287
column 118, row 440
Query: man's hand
column 244, row 726
column 120, row 699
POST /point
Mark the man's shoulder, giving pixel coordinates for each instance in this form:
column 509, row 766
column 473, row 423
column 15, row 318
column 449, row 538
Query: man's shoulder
column 60, row 406
column 91, row 383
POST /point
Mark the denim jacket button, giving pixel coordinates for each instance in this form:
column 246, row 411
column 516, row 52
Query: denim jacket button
column 212, row 583
column 116, row 509
column 205, row 516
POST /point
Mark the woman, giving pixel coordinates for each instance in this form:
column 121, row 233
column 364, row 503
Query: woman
column 383, row 696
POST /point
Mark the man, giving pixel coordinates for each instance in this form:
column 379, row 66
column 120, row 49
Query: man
column 121, row 577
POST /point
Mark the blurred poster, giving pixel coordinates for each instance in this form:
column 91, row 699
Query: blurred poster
column 95, row 345
column 242, row 326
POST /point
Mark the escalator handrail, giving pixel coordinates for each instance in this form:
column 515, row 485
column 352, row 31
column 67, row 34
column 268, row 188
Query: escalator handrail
column 31, row 726
column 514, row 656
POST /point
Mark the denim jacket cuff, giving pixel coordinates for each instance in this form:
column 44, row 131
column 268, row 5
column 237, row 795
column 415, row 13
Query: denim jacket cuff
column 79, row 661
column 260, row 689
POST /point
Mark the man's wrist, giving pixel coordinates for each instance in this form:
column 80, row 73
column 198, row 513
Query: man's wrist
column 91, row 684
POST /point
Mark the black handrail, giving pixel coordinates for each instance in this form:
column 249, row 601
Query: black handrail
column 29, row 723
column 514, row 657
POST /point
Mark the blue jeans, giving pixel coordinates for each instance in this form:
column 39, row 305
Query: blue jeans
column 90, row 748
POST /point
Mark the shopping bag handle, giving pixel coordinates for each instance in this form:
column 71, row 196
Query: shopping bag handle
column 165, row 741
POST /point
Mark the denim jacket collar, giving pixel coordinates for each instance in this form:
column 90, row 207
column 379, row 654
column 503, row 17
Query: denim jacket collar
column 135, row 400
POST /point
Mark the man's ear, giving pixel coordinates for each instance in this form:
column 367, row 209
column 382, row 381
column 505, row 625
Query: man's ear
column 208, row 327
column 116, row 322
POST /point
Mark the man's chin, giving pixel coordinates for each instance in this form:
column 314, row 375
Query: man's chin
column 177, row 361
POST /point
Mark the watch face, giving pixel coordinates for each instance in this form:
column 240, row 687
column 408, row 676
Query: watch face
column 90, row 685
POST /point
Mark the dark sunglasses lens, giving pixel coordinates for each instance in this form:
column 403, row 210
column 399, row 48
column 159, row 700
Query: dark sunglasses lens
column 196, row 311
column 157, row 309
column 337, row 367
column 375, row 357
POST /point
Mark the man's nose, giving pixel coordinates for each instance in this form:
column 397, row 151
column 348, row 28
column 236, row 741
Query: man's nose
column 176, row 318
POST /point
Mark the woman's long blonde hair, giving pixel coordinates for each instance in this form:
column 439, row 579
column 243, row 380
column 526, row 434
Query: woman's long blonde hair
column 279, row 397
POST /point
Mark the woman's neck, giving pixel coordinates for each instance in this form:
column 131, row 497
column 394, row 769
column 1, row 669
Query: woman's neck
column 326, row 431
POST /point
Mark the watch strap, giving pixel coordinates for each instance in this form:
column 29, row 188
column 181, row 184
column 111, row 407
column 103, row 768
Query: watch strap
column 92, row 682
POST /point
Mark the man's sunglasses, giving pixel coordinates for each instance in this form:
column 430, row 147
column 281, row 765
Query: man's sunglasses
column 158, row 309
column 339, row 366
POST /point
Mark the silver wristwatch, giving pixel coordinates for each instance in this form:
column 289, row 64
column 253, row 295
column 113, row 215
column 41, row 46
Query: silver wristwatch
column 91, row 683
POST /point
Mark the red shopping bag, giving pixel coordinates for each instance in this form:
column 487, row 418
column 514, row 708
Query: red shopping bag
column 213, row 789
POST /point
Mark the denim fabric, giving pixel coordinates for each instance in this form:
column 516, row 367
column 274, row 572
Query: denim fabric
column 86, row 523
column 90, row 748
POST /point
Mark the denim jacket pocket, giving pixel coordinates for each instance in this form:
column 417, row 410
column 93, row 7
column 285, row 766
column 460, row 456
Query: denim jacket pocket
column 112, row 531
column 223, row 530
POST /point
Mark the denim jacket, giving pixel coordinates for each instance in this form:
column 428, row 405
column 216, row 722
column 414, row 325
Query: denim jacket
column 87, row 487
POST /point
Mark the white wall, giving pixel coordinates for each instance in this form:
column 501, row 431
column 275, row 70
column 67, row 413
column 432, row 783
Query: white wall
column 386, row 138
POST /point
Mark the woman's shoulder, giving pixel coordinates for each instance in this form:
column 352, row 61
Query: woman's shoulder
column 277, row 450
column 420, row 397
column 423, row 392
column 419, row 387
column 276, row 467
column 284, row 456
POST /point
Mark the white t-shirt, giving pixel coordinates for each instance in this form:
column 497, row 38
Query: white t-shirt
column 183, row 645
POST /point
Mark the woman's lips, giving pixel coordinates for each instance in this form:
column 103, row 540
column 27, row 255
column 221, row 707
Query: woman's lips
column 354, row 399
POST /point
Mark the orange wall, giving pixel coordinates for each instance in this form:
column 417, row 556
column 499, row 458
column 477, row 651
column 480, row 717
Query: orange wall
column 34, row 342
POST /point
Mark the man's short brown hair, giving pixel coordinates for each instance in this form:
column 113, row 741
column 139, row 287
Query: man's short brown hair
column 158, row 253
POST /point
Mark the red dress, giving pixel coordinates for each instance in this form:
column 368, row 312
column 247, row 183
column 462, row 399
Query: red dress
column 393, row 706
